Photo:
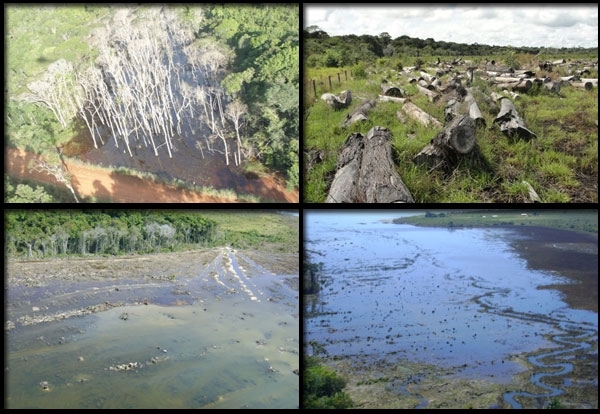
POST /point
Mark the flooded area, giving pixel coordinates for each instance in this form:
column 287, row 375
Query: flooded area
column 217, row 328
column 430, row 312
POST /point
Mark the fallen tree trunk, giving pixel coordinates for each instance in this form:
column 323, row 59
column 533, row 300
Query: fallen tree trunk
column 392, row 91
column 511, row 123
column 451, row 145
column 588, row 86
column 359, row 113
column 366, row 171
column 474, row 111
column 432, row 96
column 416, row 113
column 383, row 98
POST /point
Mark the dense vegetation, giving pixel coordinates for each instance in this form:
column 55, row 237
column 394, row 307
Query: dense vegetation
column 58, row 233
column 561, row 163
column 255, row 46
column 323, row 387
column 576, row 220
column 322, row 50
column 111, row 232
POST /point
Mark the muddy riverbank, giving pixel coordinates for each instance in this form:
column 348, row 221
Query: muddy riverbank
column 442, row 318
column 199, row 329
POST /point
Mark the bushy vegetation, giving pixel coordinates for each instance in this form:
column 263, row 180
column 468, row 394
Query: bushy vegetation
column 323, row 387
column 57, row 233
column 35, row 234
column 561, row 164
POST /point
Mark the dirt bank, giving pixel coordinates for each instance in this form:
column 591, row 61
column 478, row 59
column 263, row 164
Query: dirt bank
column 108, row 185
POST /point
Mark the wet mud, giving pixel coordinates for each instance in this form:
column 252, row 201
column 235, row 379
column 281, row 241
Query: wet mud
column 432, row 318
column 212, row 328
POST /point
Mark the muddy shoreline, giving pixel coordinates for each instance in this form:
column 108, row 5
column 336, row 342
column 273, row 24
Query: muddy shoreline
column 395, row 382
column 55, row 289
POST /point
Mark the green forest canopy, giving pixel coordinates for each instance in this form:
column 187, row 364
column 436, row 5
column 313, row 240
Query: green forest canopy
column 42, row 234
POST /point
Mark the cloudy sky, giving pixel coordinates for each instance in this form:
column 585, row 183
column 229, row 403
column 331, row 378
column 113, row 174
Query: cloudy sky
column 575, row 25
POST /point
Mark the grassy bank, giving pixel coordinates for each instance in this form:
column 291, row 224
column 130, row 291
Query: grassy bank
column 576, row 220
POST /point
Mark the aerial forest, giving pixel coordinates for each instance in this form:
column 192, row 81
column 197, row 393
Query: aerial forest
column 219, row 80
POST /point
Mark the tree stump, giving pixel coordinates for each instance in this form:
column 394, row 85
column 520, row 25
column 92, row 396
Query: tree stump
column 455, row 142
column 366, row 172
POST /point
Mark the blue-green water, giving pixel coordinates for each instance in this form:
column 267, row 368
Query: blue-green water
column 225, row 350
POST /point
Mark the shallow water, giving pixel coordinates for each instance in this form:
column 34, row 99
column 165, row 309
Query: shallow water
column 455, row 298
column 235, row 346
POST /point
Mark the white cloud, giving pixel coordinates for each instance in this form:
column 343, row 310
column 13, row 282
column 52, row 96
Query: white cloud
column 548, row 26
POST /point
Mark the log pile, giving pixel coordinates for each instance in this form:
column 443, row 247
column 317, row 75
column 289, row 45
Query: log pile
column 366, row 171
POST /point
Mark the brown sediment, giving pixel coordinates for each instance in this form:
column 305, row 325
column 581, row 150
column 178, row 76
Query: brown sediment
column 570, row 254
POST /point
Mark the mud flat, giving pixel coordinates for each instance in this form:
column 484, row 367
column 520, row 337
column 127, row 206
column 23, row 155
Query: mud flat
column 442, row 318
column 212, row 328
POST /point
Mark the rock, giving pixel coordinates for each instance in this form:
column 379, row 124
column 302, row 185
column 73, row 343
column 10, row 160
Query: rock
column 81, row 359
column 45, row 386
column 296, row 371
column 124, row 316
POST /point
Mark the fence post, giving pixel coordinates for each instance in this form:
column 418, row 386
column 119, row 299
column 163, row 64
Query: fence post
column 346, row 74
column 330, row 88
column 315, row 88
column 339, row 81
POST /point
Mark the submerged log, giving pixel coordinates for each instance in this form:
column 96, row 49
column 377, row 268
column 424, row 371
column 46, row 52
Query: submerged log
column 452, row 144
column 359, row 113
column 511, row 123
column 416, row 113
column 366, row 172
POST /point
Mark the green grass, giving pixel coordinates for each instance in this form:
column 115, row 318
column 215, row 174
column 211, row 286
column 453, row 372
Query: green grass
column 256, row 229
column 577, row 220
column 561, row 163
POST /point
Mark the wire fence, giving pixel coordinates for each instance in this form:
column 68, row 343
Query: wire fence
column 313, row 88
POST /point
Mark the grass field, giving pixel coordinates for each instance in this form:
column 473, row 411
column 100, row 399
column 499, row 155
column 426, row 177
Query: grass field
column 561, row 163
column 576, row 220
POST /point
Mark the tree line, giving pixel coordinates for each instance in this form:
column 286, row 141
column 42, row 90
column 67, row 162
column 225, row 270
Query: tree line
column 42, row 234
column 323, row 50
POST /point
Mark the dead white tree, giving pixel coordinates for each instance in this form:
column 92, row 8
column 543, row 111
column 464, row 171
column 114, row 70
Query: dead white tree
column 62, row 176
column 235, row 111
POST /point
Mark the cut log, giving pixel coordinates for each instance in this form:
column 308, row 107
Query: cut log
column 343, row 187
column 474, row 111
column 588, row 86
column 533, row 196
column 429, row 78
column 553, row 86
column 392, row 91
column 366, row 172
column 511, row 123
column 449, row 146
column 416, row 113
column 432, row 96
column 391, row 99
column 339, row 101
column 451, row 110
column 359, row 113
